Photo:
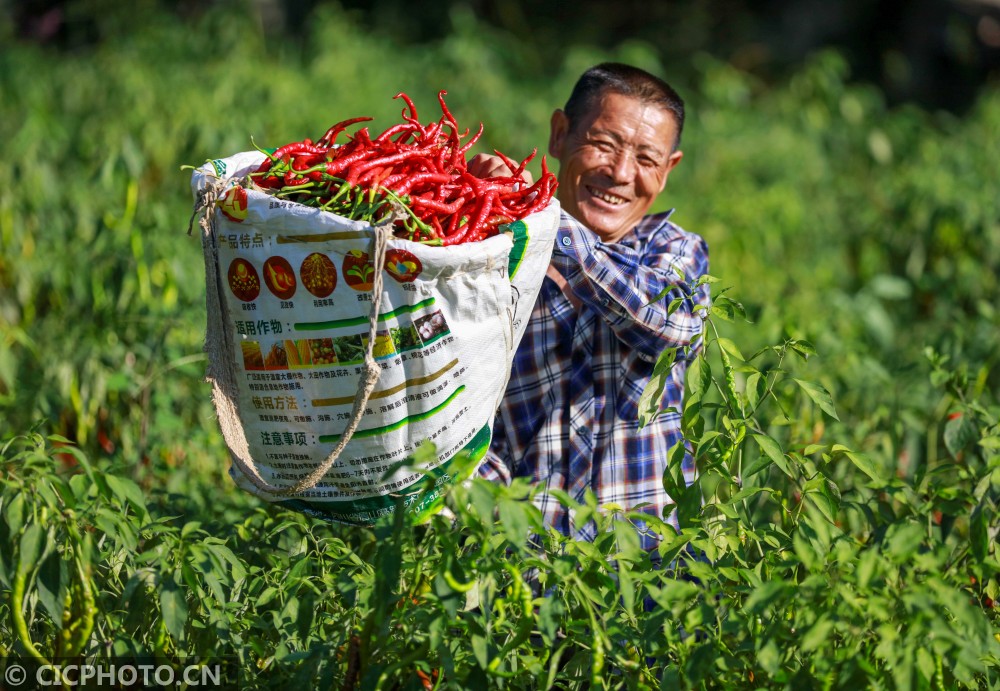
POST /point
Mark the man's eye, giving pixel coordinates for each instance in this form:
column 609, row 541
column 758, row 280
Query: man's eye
column 606, row 147
column 647, row 162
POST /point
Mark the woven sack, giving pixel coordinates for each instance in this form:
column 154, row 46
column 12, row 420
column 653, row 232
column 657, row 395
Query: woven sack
column 334, row 348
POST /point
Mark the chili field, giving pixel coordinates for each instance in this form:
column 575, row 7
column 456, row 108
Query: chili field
column 843, row 412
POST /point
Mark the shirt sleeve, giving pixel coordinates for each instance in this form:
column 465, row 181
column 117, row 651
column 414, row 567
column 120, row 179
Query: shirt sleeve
column 624, row 285
column 497, row 465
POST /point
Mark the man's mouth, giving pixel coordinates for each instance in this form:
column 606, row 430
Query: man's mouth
column 606, row 197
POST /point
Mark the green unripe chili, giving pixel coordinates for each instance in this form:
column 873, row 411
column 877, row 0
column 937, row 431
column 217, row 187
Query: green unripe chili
column 727, row 367
column 597, row 656
column 455, row 584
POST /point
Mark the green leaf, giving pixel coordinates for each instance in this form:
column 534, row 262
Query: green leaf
column 30, row 548
column 652, row 394
column 51, row 586
column 266, row 596
column 306, row 614
column 820, row 397
column 867, row 466
column 128, row 493
column 754, row 388
column 107, row 522
column 758, row 464
column 215, row 585
column 480, row 648
column 805, row 551
column 689, row 505
column 979, row 538
column 190, row 528
column 765, row 595
column 926, row 666
column 769, row 657
column 731, row 348
column 699, row 376
column 773, row 451
column 81, row 486
column 824, row 495
column 627, row 541
column 173, row 606
column 550, row 614
column 514, row 521
column 903, row 540
column 868, row 562
column 13, row 513
column 290, row 610
column 673, row 475
column 238, row 568
column 959, row 432
column 727, row 309
column 804, row 349
column 482, row 500
column 748, row 492
column 992, row 443
column 626, row 585
column 889, row 287
column 817, row 635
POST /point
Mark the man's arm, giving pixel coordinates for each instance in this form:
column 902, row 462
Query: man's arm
column 622, row 284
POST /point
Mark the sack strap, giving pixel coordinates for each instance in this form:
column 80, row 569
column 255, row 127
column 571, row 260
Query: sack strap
column 221, row 370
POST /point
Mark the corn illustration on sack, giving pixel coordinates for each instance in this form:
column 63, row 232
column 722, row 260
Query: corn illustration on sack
column 292, row 340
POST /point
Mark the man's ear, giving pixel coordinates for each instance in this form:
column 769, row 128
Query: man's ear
column 558, row 130
column 672, row 162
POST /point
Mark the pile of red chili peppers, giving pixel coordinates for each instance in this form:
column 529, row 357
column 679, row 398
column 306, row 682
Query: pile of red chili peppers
column 422, row 167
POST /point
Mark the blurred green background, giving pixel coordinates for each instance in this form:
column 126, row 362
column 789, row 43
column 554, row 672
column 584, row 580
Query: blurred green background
column 840, row 160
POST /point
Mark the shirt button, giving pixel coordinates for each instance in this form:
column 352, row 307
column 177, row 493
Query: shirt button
column 583, row 432
column 566, row 241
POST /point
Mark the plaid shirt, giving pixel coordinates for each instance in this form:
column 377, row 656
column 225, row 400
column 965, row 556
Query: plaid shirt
column 569, row 417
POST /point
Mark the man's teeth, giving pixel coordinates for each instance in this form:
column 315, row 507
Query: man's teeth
column 606, row 197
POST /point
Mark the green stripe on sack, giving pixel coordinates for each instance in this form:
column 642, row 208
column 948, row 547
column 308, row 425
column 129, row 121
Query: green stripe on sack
column 358, row 321
column 364, row 512
column 333, row 438
column 521, row 237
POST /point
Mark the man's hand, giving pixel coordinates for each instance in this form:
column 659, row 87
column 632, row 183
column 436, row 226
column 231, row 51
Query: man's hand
column 489, row 166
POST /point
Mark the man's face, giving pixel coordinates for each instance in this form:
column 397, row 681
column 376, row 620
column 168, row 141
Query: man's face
column 614, row 162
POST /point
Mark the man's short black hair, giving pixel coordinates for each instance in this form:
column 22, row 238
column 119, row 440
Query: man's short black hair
column 618, row 78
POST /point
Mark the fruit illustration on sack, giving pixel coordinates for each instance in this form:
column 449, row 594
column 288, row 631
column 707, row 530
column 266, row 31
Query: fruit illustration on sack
column 321, row 351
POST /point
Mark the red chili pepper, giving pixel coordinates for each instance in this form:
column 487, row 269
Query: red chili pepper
column 409, row 182
column 412, row 118
column 460, row 153
column 438, row 206
column 404, row 127
column 485, row 206
column 331, row 134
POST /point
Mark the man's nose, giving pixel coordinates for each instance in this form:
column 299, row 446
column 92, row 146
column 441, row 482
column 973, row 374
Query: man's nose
column 621, row 166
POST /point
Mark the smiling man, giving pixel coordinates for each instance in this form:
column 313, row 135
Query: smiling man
column 569, row 417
